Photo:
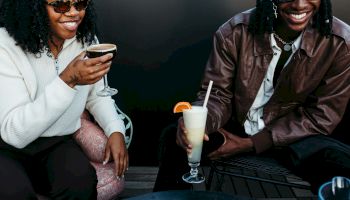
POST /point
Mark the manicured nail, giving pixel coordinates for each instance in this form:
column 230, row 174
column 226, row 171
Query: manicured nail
column 104, row 162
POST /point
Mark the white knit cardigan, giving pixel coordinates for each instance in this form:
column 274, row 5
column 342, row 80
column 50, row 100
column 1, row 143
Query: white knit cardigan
column 35, row 102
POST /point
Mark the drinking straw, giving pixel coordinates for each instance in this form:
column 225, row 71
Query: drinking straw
column 208, row 92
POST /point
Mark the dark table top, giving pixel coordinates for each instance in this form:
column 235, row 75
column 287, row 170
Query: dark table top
column 188, row 194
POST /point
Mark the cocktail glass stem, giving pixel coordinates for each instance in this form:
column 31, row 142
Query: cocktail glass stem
column 107, row 91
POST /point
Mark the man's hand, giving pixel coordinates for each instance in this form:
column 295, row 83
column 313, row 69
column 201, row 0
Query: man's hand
column 116, row 148
column 232, row 145
column 181, row 138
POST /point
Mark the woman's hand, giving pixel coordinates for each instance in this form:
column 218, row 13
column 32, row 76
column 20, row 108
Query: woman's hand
column 116, row 149
column 232, row 145
column 84, row 71
column 181, row 138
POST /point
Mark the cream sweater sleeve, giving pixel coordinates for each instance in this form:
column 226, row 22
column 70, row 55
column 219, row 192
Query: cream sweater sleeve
column 103, row 110
column 22, row 117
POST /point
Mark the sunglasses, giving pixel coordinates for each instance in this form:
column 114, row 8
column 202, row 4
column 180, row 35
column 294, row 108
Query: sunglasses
column 62, row 6
column 282, row 1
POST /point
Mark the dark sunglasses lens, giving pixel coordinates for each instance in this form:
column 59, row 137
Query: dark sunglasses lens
column 283, row 1
column 61, row 6
column 81, row 5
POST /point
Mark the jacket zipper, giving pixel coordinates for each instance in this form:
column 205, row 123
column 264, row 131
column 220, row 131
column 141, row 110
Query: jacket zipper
column 56, row 65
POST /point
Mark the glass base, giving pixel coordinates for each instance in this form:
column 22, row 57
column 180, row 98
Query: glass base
column 189, row 178
column 107, row 91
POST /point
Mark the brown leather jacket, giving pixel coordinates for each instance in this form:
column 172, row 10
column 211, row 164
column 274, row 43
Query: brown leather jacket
column 310, row 96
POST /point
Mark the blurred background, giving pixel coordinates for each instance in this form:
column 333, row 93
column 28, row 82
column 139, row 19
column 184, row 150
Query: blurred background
column 163, row 46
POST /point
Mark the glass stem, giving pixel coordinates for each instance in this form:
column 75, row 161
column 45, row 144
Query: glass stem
column 105, row 81
column 194, row 169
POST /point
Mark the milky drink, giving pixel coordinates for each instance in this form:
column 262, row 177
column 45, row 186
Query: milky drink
column 195, row 120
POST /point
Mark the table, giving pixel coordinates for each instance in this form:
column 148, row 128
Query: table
column 187, row 195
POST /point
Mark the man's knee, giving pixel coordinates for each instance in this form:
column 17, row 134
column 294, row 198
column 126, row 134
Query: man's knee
column 167, row 140
column 324, row 165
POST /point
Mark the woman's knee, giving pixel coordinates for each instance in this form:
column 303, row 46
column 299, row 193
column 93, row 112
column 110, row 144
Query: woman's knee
column 70, row 173
column 82, row 185
column 15, row 183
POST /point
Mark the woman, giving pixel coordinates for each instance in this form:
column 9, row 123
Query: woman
column 45, row 85
column 281, row 76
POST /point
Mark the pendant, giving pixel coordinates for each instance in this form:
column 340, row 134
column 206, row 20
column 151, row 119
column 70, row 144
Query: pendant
column 287, row 47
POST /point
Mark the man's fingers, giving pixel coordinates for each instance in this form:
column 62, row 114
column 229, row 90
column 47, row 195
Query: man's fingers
column 213, row 155
column 206, row 137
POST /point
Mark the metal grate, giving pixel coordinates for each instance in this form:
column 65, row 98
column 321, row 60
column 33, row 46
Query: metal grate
column 257, row 164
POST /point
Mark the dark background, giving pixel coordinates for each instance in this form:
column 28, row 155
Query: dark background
column 163, row 46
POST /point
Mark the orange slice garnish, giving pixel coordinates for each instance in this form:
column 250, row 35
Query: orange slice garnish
column 180, row 106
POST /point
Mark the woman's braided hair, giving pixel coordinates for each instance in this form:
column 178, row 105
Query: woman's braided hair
column 263, row 18
column 27, row 22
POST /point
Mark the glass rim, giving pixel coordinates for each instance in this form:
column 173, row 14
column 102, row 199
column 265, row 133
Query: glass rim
column 113, row 47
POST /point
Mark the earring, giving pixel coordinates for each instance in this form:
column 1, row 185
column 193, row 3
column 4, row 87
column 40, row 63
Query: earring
column 274, row 7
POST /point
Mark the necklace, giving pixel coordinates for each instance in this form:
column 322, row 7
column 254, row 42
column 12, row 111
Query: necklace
column 287, row 46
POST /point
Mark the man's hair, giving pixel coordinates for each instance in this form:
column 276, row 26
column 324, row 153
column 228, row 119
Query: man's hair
column 27, row 22
column 263, row 18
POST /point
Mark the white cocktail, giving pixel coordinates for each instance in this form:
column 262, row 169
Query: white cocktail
column 195, row 121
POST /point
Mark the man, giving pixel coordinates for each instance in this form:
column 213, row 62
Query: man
column 281, row 75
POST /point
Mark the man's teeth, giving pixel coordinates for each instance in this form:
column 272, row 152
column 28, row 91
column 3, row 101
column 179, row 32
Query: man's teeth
column 298, row 16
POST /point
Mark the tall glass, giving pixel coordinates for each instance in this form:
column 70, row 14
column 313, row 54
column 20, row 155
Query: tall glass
column 195, row 120
column 98, row 50
column 336, row 189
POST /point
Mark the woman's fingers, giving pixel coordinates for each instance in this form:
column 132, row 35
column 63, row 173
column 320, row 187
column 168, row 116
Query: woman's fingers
column 99, row 60
column 121, row 161
column 107, row 156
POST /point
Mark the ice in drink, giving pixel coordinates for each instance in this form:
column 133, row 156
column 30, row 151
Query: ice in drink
column 195, row 121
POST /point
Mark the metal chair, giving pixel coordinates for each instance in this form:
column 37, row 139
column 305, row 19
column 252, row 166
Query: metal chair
column 262, row 168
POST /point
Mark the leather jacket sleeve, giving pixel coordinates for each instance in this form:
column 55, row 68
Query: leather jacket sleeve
column 219, row 69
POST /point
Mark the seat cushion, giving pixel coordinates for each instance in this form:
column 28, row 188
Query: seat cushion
column 108, row 187
column 92, row 140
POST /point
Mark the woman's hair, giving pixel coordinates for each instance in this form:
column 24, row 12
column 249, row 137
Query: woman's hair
column 27, row 22
column 263, row 18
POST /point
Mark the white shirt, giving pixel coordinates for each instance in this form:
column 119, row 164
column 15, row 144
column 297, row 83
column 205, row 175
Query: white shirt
column 35, row 102
column 254, row 122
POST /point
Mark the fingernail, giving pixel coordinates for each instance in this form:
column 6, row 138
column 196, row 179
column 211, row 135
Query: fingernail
column 110, row 55
column 123, row 176
column 104, row 162
column 118, row 178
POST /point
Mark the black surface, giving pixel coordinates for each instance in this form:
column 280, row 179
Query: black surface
column 186, row 195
